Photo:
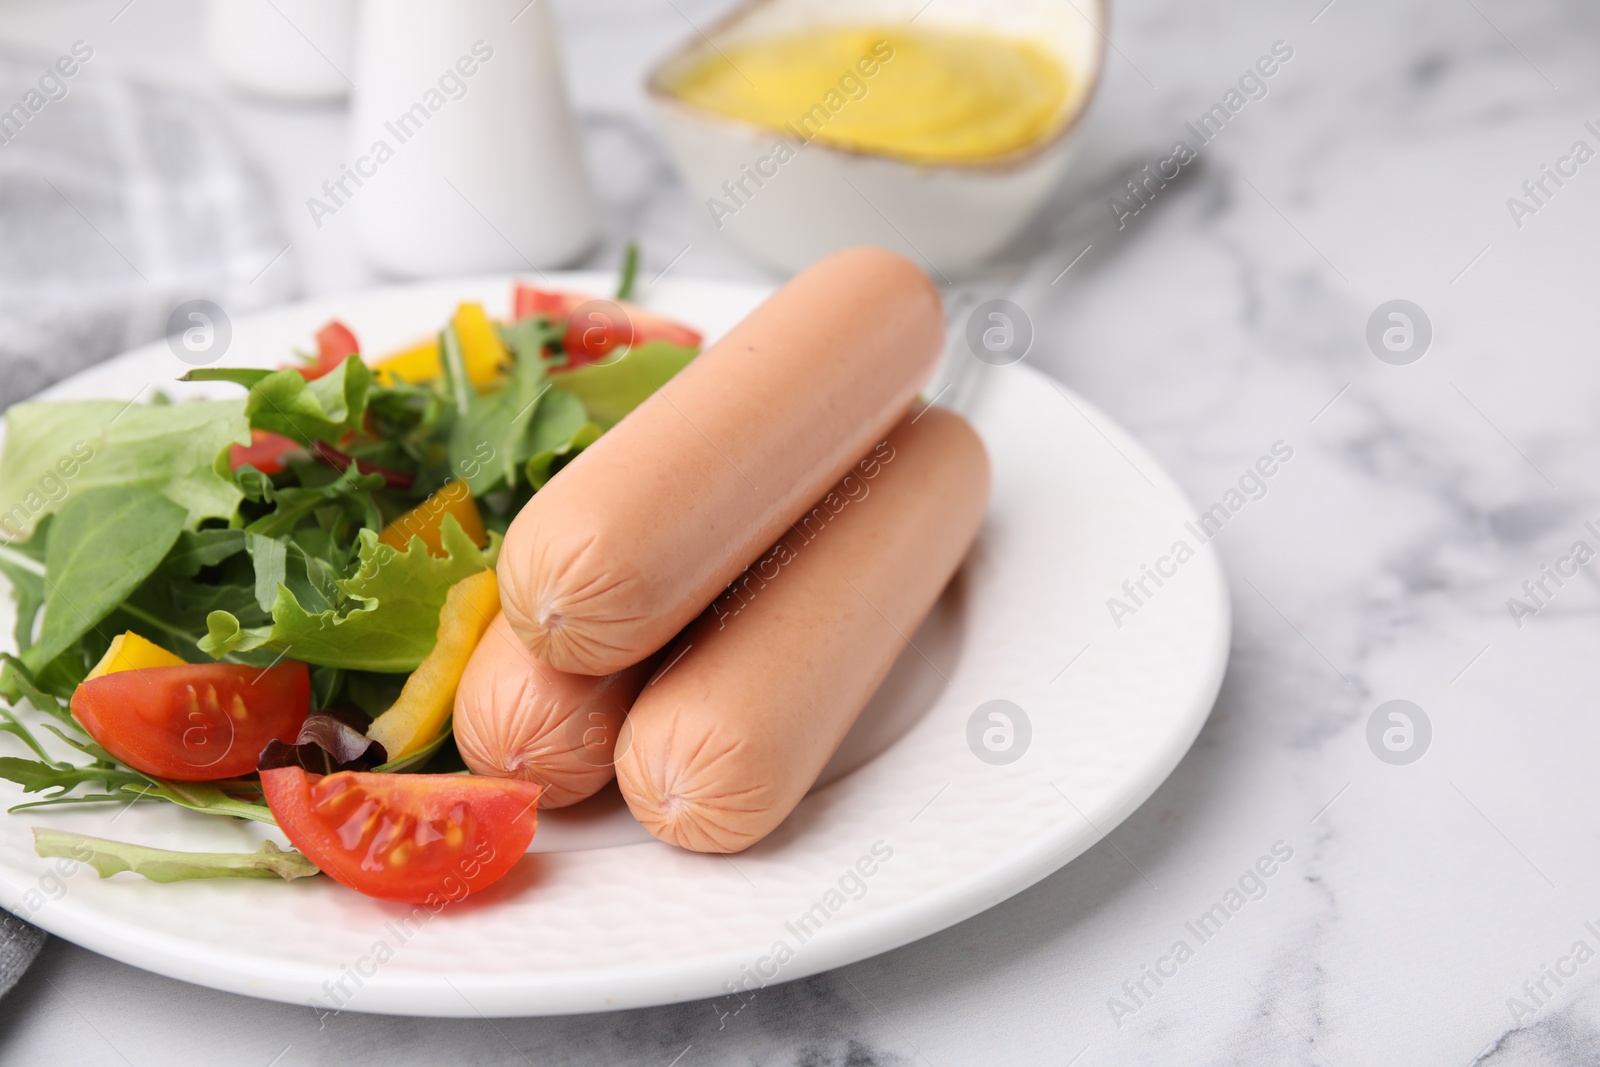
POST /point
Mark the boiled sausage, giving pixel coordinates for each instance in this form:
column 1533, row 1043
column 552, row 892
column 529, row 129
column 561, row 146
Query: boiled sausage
column 518, row 718
column 751, row 702
column 634, row 538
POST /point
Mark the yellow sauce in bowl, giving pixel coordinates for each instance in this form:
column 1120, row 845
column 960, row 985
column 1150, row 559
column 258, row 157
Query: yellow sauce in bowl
column 923, row 94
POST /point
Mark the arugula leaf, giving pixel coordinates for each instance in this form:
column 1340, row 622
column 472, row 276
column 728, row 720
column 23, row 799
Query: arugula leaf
column 36, row 776
column 165, row 865
column 197, row 549
column 106, row 542
column 497, row 424
column 249, row 377
column 80, row 741
column 171, row 606
column 206, row 797
column 349, row 490
column 387, row 619
column 611, row 390
column 56, row 450
column 62, row 675
column 313, row 571
column 421, row 756
column 529, row 340
column 283, row 402
column 562, row 430
column 630, row 271
column 409, row 420
column 326, row 685
column 13, row 726
column 373, row 693
column 457, row 385
column 16, row 685
column 173, row 615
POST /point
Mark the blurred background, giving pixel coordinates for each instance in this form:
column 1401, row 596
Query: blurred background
column 197, row 154
column 1226, row 307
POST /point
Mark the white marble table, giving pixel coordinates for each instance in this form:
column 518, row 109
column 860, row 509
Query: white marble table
column 1422, row 904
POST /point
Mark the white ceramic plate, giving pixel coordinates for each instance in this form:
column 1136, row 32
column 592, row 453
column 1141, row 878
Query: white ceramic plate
column 909, row 832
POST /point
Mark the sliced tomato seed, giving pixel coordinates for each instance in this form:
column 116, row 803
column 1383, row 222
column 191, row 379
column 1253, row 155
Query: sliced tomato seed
column 390, row 832
column 329, row 799
column 354, row 830
column 386, row 841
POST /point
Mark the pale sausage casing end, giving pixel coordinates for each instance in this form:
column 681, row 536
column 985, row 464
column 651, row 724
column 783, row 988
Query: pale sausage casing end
column 518, row 718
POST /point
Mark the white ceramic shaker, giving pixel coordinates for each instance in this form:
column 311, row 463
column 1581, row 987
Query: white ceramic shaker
column 464, row 146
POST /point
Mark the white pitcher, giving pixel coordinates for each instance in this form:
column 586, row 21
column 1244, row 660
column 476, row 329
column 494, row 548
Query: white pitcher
column 464, row 153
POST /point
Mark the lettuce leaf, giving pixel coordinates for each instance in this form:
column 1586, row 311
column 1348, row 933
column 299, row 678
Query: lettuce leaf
column 611, row 390
column 57, row 449
column 165, row 865
column 386, row 618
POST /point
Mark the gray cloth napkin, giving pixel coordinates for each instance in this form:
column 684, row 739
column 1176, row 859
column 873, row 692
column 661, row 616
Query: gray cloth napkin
column 118, row 202
column 20, row 943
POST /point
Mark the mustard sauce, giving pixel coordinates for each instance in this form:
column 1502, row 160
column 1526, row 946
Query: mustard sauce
column 923, row 94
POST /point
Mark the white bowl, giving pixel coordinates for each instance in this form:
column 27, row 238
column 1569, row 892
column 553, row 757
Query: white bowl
column 951, row 216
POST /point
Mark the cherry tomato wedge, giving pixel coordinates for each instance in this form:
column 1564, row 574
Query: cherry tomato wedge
column 335, row 344
column 265, row 452
column 592, row 335
column 197, row 722
column 417, row 838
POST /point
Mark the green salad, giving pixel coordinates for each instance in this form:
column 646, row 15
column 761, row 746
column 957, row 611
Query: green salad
column 293, row 577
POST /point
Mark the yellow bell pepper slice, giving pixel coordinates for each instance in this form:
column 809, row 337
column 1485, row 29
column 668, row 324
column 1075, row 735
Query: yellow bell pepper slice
column 482, row 350
column 429, row 695
column 426, row 521
column 130, row 652
column 417, row 365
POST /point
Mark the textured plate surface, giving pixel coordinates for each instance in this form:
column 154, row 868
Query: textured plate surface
column 910, row 832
